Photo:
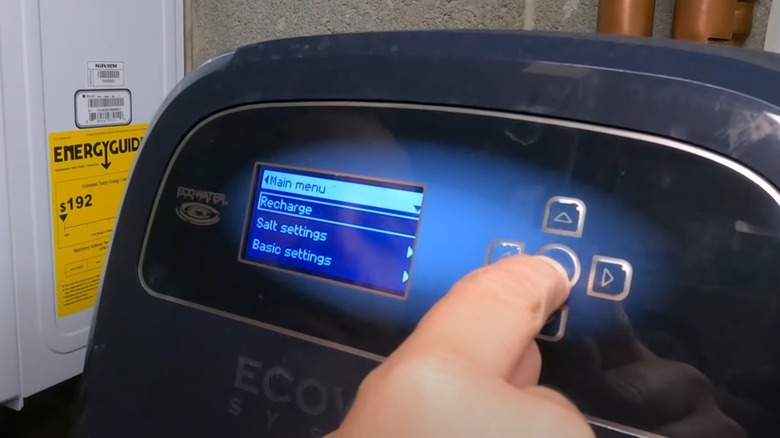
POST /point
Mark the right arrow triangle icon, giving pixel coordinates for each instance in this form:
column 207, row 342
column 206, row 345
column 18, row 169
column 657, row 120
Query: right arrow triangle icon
column 405, row 277
column 563, row 218
column 606, row 277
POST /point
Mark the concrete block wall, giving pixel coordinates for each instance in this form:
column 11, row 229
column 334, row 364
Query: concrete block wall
column 216, row 26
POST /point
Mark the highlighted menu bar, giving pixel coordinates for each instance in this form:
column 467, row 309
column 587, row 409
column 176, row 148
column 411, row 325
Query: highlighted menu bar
column 344, row 191
column 349, row 229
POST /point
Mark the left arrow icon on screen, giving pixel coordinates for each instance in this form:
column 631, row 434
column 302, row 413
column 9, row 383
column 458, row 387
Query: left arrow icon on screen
column 406, row 277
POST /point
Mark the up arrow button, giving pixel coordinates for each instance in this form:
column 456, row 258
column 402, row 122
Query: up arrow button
column 564, row 216
column 610, row 278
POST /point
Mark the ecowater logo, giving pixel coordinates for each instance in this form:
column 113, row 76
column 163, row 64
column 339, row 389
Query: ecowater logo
column 199, row 207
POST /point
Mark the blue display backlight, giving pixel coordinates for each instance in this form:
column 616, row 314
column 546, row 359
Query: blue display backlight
column 353, row 230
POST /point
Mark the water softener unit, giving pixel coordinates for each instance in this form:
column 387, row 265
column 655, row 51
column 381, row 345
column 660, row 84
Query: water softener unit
column 298, row 205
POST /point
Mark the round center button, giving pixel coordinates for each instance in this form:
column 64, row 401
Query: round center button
column 566, row 257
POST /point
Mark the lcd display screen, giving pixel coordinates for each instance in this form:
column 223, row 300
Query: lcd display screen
column 353, row 230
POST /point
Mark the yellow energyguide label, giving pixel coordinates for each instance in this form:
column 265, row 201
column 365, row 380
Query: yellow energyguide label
column 89, row 169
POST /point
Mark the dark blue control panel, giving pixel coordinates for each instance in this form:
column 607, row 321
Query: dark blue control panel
column 359, row 218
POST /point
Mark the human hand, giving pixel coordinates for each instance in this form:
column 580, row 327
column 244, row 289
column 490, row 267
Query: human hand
column 471, row 368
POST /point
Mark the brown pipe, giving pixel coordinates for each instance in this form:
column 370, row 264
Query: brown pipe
column 626, row 17
column 743, row 21
column 704, row 20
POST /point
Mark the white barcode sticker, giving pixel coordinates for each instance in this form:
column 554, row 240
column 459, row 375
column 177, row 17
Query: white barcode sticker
column 105, row 74
column 103, row 108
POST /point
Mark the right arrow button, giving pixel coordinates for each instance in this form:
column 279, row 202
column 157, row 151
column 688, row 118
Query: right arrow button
column 606, row 277
column 610, row 278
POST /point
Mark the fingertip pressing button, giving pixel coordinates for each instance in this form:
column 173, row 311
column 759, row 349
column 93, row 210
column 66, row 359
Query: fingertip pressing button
column 558, row 267
column 566, row 257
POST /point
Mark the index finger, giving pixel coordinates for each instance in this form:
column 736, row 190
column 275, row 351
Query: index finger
column 491, row 316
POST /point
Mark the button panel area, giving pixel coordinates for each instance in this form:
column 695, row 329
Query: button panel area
column 609, row 277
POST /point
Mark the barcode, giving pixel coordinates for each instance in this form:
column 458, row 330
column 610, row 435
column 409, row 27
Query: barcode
column 105, row 102
column 104, row 74
column 102, row 116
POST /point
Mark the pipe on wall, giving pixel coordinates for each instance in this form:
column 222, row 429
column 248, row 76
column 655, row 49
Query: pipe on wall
column 626, row 17
column 710, row 21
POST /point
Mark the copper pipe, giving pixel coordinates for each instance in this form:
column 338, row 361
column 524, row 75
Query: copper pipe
column 704, row 20
column 626, row 17
column 743, row 21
